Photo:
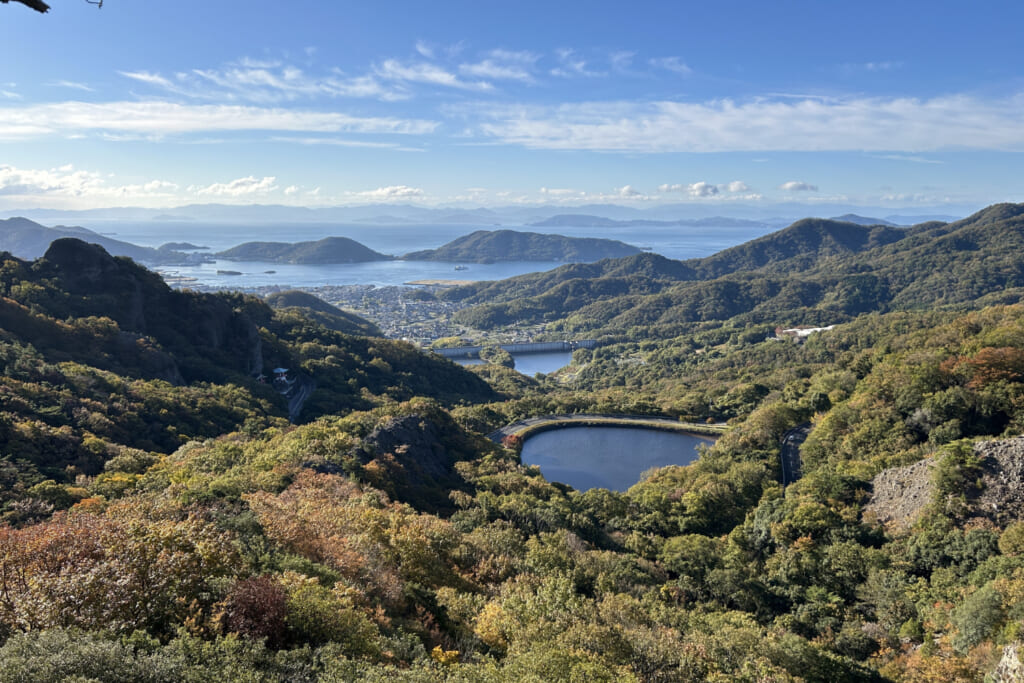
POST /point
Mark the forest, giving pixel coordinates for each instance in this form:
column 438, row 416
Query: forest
column 164, row 520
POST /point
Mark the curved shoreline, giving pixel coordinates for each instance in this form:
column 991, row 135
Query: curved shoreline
column 535, row 425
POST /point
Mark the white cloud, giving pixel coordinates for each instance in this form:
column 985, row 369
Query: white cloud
column 881, row 66
column 622, row 60
column 71, row 84
column 10, row 95
column 239, row 187
column 266, row 82
column 343, row 142
column 798, row 186
column 291, row 190
column 673, row 64
column 736, row 186
column 390, row 193
column 570, row 65
column 424, row 72
column 909, row 157
column 628, row 192
column 149, row 79
column 560, row 192
column 54, row 185
column 425, row 49
column 702, row 189
column 167, row 118
column 855, row 124
column 503, row 65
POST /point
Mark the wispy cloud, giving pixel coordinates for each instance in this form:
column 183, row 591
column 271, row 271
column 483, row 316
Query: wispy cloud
column 425, row 49
column 71, row 84
column 503, row 65
column 909, row 157
column 425, row 72
column 266, row 81
column 854, row 124
column 798, row 186
column 673, row 64
column 621, row 60
column 167, row 118
column 391, row 193
column 344, row 142
column 570, row 65
column 240, row 187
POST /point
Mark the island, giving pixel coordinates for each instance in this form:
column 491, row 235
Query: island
column 493, row 246
column 326, row 251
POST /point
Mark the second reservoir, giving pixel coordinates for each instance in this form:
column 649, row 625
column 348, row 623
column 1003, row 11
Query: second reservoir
column 607, row 457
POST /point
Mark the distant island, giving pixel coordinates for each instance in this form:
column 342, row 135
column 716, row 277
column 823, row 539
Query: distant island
column 181, row 246
column 492, row 246
column 864, row 220
column 580, row 220
column 325, row 251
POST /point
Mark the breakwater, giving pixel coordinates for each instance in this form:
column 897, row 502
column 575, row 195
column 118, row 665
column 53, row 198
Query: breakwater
column 525, row 347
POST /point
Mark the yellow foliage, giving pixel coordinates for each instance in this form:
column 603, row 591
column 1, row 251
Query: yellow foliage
column 444, row 657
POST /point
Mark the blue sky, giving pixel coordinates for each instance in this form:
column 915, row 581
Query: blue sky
column 159, row 104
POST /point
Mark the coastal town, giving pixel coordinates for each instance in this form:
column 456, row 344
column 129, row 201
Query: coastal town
column 410, row 313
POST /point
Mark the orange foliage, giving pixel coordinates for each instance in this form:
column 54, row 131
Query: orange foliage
column 92, row 571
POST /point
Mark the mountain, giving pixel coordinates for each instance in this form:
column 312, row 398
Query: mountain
column 794, row 248
column 29, row 240
column 863, row 220
column 485, row 246
column 707, row 213
column 589, row 221
column 576, row 220
column 327, row 250
column 318, row 310
column 814, row 272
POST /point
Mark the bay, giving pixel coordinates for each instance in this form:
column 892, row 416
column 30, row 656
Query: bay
column 677, row 242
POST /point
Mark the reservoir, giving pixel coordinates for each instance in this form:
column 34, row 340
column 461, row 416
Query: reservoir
column 607, row 457
column 531, row 363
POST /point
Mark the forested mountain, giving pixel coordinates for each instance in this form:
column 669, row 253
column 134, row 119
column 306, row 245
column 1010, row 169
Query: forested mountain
column 326, row 250
column 492, row 246
column 163, row 521
column 95, row 346
column 300, row 303
column 813, row 272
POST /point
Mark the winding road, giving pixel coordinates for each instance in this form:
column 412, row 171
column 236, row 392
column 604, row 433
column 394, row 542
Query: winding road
column 789, row 455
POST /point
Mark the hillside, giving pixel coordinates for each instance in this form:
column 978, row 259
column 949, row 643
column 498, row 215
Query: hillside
column 139, row 358
column 316, row 309
column 164, row 521
column 29, row 240
column 486, row 246
column 324, row 251
column 814, row 272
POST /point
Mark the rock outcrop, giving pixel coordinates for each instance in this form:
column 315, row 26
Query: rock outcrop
column 901, row 494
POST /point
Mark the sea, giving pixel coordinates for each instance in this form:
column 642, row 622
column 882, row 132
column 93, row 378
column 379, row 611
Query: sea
column 676, row 242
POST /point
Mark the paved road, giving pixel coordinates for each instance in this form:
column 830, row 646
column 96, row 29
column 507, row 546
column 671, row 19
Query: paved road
column 790, row 452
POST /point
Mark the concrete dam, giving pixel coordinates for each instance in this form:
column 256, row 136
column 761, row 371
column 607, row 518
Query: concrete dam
column 525, row 347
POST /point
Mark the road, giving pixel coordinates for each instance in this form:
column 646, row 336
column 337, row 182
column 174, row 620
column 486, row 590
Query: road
column 790, row 452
